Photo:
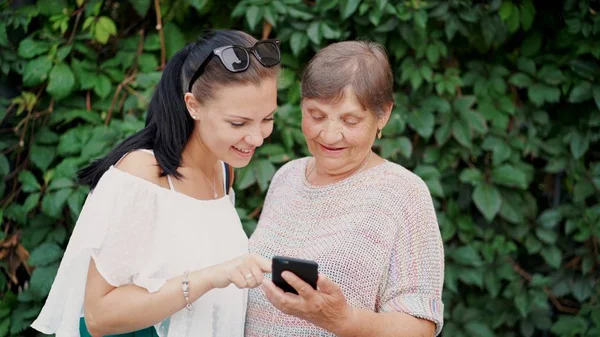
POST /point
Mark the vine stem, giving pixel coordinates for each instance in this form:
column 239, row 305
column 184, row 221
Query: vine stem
column 159, row 28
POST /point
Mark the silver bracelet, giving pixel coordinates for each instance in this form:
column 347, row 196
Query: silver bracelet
column 185, row 287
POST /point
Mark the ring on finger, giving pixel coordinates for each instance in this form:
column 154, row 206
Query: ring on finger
column 248, row 276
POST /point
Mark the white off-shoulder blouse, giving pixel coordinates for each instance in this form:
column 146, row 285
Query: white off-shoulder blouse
column 140, row 233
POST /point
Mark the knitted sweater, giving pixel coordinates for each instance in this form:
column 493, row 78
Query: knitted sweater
column 375, row 234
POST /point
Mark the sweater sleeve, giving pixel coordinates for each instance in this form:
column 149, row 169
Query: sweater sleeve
column 415, row 275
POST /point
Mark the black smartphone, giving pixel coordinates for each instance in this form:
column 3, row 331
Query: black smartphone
column 305, row 269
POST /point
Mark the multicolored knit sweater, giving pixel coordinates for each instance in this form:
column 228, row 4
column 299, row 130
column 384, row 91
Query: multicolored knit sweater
column 375, row 234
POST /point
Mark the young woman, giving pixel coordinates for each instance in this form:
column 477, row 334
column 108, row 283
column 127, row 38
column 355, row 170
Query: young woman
column 158, row 248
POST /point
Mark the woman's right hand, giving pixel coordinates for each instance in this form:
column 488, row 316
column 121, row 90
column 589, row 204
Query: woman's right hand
column 245, row 271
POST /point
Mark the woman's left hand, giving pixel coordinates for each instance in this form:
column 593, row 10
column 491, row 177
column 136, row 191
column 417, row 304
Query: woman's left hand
column 325, row 307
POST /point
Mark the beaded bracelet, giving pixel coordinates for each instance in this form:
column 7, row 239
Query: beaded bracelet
column 185, row 287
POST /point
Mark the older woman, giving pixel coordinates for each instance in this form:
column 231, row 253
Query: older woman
column 370, row 224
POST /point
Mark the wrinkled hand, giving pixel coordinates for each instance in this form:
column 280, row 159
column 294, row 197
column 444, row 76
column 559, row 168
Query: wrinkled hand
column 245, row 271
column 325, row 307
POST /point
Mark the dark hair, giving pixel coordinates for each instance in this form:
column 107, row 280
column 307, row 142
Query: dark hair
column 168, row 123
column 361, row 65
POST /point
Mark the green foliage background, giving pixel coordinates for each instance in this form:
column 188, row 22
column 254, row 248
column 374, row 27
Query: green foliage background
column 497, row 109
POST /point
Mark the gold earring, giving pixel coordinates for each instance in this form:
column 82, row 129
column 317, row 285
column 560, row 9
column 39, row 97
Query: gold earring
column 378, row 133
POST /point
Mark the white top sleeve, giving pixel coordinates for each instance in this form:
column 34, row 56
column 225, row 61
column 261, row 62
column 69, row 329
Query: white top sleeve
column 116, row 228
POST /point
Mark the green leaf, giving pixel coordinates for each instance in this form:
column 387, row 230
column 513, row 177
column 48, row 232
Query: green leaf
column 62, row 81
column 388, row 26
column 4, row 42
column 141, row 7
column 28, row 181
column 487, row 199
column 29, row 48
column 540, row 93
column 404, row 147
column 500, row 153
column 579, row 144
column 75, row 201
column 510, row 176
column 147, row 62
column 492, row 283
column 513, row 22
column 464, row 103
column 596, row 93
column 522, row 304
column 552, row 255
column 174, row 39
column 467, row 255
column 550, row 218
column 348, row 7
column 478, row 329
column 506, row 10
column 245, row 177
column 427, row 172
column 253, row 16
column 435, row 187
column 4, row 326
column 45, row 254
column 421, row 19
column 42, row 156
column 471, row 276
column 551, row 75
column 381, row 4
column 546, row 235
column 60, row 183
column 51, row 7
column 103, row 86
column 526, row 65
column 42, row 279
column 471, row 175
column 581, row 92
column 520, row 80
column 462, row 133
column 582, row 191
column 264, row 172
column 53, row 203
column 314, row 32
column 569, row 326
column 4, row 165
column 532, row 44
column 31, row 202
column 527, row 14
column 422, row 121
column 105, row 28
column 432, row 53
column 298, row 42
column 199, row 4
column 36, row 71
column 582, row 289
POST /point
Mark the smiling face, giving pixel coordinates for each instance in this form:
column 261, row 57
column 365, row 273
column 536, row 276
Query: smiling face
column 236, row 121
column 339, row 135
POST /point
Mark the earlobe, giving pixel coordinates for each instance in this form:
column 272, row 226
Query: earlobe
column 383, row 120
column 192, row 105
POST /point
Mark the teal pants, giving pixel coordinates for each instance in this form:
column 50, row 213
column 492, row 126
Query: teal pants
column 148, row 332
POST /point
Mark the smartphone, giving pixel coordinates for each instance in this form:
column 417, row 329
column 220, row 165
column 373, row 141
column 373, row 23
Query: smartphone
column 305, row 269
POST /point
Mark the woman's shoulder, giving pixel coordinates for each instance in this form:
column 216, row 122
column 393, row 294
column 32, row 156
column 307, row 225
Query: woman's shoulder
column 397, row 174
column 292, row 167
column 136, row 171
column 141, row 164
column 402, row 185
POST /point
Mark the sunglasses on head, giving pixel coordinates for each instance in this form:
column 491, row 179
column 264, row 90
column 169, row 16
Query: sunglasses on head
column 237, row 58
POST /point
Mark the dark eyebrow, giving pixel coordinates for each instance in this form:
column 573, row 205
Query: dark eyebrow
column 248, row 119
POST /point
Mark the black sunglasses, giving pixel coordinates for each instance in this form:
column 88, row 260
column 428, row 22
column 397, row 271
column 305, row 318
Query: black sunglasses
column 237, row 59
